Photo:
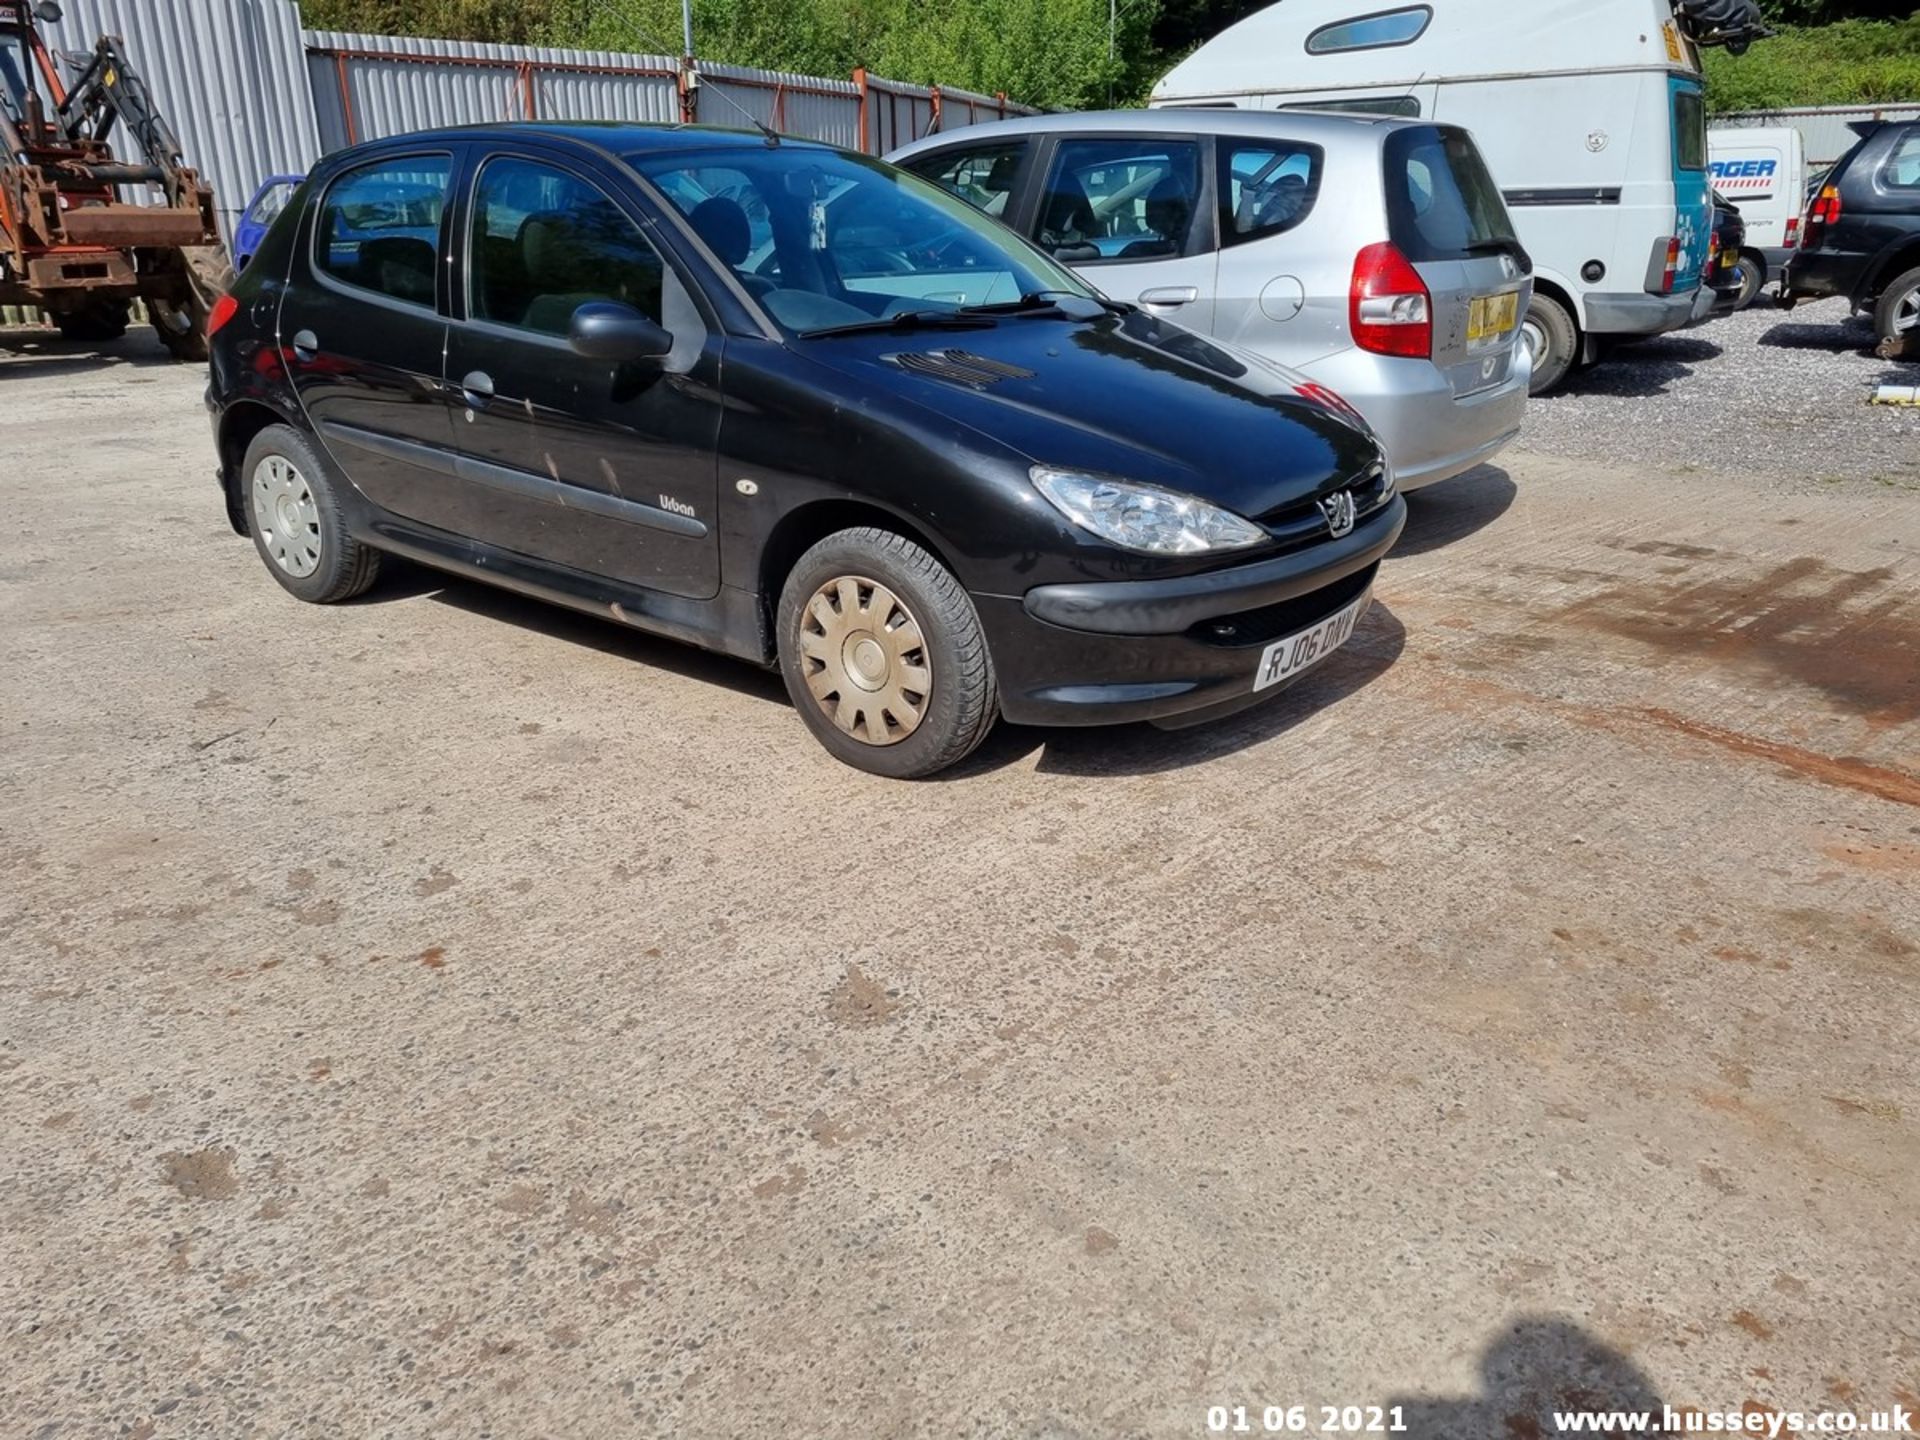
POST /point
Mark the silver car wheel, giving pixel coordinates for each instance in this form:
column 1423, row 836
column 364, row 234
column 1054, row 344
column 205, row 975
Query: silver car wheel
column 285, row 516
column 1906, row 313
column 865, row 661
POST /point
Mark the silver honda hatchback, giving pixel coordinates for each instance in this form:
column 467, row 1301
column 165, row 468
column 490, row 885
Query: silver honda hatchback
column 1372, row 254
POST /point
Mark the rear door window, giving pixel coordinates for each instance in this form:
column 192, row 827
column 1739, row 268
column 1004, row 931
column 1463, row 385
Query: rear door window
column 983, row 176
column 1689, row 130
column 1442, row 203
column 1121, row 199
column 1265, row 186
column 379, row 227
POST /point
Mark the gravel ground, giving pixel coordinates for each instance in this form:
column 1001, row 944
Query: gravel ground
column 1767, row 392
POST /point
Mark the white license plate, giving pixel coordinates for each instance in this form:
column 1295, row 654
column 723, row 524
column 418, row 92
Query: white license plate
column 1288, row 657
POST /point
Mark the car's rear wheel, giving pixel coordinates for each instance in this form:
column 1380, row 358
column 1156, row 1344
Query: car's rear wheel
column 1896, row 317
column 1753, row 274
column 883, row 655
column 1553, row 339
column 293, row 511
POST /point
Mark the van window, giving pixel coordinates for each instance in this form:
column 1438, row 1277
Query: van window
column 1442, row 203
column 379, row 227
column 1689, row 130
column 1266, row 186
column 1902, row 170
column 1407, row 105
column 982, row 176
column 545, row 243
column 1120, row 199
column 1371, row 32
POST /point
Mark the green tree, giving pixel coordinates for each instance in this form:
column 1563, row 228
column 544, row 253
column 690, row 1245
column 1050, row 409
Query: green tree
column 1852, row 62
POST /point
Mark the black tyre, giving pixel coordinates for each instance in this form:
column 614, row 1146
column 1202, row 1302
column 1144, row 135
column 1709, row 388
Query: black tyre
column 1554, row 340
column 883, row 655
column 181, row 323
column 1753, row 275
column 1896, row 317
column 293, row 512
column 100, row 320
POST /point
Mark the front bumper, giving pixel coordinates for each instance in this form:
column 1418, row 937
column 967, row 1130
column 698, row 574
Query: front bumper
column 1120, row 651
column 1428, row 432
column 1639, row 313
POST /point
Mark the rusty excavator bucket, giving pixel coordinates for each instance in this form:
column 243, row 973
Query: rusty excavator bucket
column 71, row 240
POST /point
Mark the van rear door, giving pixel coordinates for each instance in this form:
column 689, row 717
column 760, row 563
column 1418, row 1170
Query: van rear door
column 1445, row 215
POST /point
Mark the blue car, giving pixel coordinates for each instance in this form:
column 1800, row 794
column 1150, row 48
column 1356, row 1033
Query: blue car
column 268, row 201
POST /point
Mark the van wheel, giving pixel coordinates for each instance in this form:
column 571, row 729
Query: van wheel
column 1896, row 317
column 1753, row 274
column 293, row 511
column 883, row 655
column 1554, row 340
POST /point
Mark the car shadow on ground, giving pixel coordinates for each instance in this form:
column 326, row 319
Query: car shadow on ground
column 1852, row 334
column 1536, row 1366
column 1099, row 750
column 1454, row 509
column 1640, row 369
column 34, row 351
column 1121, row 750
column 401, row 580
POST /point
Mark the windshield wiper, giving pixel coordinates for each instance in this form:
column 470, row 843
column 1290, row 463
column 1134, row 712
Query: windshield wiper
column 908, row 320
column 1070, row 303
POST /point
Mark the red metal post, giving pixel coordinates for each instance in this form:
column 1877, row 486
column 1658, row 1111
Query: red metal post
column 346, row 97
column 528, row 95
column 933, row 119
column 1001, row 96
column 867, row 146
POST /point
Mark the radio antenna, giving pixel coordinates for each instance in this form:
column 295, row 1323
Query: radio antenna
column 652, row 43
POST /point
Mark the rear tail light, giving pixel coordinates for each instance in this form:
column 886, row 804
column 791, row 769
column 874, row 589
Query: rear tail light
column 1388, row 307
column 1671, row 268
column 1793, row 231
column 224, row 309
column 1825, row 210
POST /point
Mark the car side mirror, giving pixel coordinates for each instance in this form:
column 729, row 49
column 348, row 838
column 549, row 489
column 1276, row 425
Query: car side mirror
column 608, row 330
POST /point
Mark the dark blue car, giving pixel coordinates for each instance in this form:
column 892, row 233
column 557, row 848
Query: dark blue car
column 268, row 201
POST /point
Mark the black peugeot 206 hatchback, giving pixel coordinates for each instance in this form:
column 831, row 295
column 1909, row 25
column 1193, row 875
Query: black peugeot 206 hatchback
column 791, row 404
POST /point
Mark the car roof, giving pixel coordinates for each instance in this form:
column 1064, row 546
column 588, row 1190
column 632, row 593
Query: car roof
column 618, row 138
column 1184, row 120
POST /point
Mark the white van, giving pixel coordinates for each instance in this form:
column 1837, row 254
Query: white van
column 1589, row 113
column 1764, row 172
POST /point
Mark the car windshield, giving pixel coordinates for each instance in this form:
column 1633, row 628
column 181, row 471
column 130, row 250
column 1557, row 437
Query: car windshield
column 271, row 201
column 825, row 240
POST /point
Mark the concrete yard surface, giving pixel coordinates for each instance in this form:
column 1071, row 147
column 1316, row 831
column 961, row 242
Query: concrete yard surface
column 444, row 1015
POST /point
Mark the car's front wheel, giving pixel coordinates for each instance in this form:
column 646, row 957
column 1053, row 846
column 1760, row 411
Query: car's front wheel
column 1896, row 317
column 293, row 513
column 883, row 655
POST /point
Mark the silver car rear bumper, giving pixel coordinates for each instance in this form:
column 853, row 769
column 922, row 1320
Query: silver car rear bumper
column 1429, row 434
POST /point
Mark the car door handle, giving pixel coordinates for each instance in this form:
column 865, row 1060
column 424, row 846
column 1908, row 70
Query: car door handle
column 1170, row 295
column 306, row 344
column 477, row 387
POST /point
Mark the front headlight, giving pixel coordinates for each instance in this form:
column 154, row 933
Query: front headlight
column 1143, row 517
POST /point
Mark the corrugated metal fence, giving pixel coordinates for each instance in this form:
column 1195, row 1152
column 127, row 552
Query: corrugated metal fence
column 251, row 94
column 1823, row 130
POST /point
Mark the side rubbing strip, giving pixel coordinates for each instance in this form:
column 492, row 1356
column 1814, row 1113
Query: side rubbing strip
column 1570, row 195
column 576, row 497
column 391, row 447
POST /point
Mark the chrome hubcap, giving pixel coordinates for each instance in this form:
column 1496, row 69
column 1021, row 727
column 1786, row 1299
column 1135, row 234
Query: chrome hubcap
column 286, row 517
column 865, row 661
